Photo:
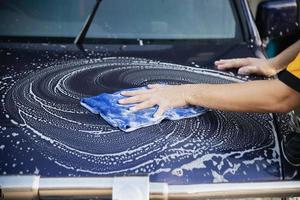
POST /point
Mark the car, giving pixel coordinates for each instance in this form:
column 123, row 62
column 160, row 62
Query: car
column 53, row 53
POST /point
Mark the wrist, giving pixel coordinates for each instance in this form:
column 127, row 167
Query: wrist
column 276, row 63
column 275, row 66
column 189, row 93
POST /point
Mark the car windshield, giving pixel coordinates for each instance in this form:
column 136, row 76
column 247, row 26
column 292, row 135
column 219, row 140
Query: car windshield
column 43, row 18
column 121, row 19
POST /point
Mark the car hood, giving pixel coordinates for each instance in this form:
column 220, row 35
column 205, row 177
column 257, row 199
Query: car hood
column 45, row 131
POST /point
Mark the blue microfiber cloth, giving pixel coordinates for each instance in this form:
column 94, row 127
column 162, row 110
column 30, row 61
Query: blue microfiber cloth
column 120, row 116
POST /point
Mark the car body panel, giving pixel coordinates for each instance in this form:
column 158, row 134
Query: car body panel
column 197, row 157
column 40, row 136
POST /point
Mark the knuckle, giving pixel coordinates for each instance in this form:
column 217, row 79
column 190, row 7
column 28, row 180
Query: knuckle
column 144, row 96
column 149, row 103
column 139, row 107
column 129, row 92
column 152, row 100
column 133, row 99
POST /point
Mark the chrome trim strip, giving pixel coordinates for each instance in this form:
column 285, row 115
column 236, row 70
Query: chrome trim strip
column 131, row 188
column 159, row 191
column 73, row 187
column 252, row 26
column 34, row 187
column 236, row 190
column 19, row 187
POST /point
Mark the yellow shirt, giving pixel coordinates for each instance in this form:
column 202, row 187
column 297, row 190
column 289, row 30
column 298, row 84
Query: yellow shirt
column 291, row 76
column 294, row 67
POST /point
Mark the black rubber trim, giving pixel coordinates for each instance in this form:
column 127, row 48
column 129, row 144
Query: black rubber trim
column 291, row 147
column 289, row 79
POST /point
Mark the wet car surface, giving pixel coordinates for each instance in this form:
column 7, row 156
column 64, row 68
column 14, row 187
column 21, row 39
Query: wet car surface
column 45, row 131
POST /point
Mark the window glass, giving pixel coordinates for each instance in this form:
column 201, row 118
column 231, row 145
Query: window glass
column 122, row 19
column 165, row 19
column 52, row 18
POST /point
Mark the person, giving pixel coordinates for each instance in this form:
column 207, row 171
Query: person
column 271, row 95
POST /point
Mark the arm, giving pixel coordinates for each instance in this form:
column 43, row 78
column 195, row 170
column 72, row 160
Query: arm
column 265, row 67
column 255, row 96
column 288, row 55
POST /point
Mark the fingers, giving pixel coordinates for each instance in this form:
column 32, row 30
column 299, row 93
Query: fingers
column 148, row 104
column 134, row 92
column 160, row 111
column 153, row 86
column 232, row 63
column 139, row 92
column 134, row 99
column 143, row 105
column 249, row 70
column 137, row 96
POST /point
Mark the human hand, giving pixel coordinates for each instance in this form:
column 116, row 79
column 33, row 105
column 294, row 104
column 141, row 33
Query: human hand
column 247, row 66
column 165, row 96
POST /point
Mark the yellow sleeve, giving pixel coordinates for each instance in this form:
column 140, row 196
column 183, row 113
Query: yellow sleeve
column 291, row 76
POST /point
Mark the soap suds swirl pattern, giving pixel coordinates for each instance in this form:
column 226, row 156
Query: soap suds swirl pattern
column 216, row 147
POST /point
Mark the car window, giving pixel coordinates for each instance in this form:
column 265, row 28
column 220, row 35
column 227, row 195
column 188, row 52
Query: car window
column 43, row 18
column 165, row 19
column 121, row 19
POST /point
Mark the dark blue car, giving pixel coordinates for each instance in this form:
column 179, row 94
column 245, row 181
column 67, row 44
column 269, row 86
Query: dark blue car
column 53, row 53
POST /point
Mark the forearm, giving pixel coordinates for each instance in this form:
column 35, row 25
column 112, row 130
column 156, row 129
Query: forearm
column 285, row 57
column 254, row 96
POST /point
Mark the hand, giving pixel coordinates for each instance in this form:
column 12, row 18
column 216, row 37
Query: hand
column 247, row 66
column 165, row 96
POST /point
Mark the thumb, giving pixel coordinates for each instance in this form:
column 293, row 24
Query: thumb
column 152, row 86
column 160, row 111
